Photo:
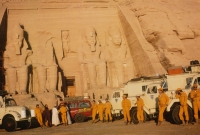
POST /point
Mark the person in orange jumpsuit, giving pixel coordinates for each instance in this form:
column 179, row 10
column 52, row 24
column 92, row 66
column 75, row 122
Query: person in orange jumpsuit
column 163, row 101
column 63, row 111
column 108, row 108
column 38, row 115
column 94, row 110
column 100, row 110
column 126, row 106
column 140, row 104
column 182, row 96
column 195, row 96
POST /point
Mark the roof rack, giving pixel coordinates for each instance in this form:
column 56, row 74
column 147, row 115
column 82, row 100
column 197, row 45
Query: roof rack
column 67, row 99
column 147, row 78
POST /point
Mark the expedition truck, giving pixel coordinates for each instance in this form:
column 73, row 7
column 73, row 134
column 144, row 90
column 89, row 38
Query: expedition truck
column 150, row 95
column 132, row 88
column 13, row 116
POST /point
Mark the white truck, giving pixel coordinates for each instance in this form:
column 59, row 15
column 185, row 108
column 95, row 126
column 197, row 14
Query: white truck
column 132, row 88
column 150, row 96
column 13, row 116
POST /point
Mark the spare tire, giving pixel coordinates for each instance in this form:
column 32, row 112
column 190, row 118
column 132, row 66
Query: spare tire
column 79, row 118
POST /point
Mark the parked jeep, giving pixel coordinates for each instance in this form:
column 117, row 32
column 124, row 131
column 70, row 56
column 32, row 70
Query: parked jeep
column 13, row 116
column 80, row 109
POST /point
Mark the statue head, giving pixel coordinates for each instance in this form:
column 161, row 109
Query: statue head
column 17, row 38
column 90, row 37
column 65, row 34
column 115, row 34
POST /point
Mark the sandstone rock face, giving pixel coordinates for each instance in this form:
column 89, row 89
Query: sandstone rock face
column 80, row 46
column 171, row 27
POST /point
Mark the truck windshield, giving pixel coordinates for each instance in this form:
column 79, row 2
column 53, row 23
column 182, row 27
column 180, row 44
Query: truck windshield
column 84, row 105
column 188, row 82
column 197, row 81
column 10, row 102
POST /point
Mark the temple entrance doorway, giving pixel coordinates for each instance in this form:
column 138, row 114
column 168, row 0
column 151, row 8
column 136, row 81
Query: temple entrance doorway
column 70, row 86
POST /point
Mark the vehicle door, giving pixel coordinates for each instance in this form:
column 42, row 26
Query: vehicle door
column 73, row 109
column 151, row 97
column 85, row 108
column 116, row 100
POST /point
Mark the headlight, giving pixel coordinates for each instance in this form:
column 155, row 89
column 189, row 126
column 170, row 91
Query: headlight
column 23, row 112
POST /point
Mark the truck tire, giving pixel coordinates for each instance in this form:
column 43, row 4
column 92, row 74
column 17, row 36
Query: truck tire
column 79, row 118
column 175, row 114
column 134, row 116
column 9, row 124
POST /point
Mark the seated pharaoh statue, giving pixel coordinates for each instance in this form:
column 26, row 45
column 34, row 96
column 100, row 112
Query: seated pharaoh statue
column 119, row 62
column 89, row 54
column 16, row 61
column 44, row 64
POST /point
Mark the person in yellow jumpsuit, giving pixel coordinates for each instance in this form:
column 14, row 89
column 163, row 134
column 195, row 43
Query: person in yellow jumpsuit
column 126, row 106
column 38, row 115
column 63, row 111
column 182, row 96
column 163, row 101
column 108, row 108
column 100, row 109
column 140, row 104
column 94, row 110
column 195, row 96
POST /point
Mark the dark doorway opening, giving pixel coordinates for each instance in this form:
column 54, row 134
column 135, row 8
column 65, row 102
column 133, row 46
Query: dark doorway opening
column 70, row 86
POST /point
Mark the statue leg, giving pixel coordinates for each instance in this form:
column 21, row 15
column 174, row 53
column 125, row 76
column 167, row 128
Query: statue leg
column 92, row 75
column 120, row 72
column 12, row 79
column 52, row 76
column 41, row 74
column 23, row 80
column 102, row 74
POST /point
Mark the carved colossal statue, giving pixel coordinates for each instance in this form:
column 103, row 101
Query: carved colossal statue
column 119, row 62
column 90, row 57
column 15, row 61
column 44, row 63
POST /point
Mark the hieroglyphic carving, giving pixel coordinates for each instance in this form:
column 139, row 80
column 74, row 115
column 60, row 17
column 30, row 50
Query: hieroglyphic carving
column 90, row 56
column 119, row 62
column 15, row 61
column 65, row 42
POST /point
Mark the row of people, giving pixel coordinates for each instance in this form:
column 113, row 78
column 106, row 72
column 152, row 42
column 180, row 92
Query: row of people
column 101, row 109
column 51, row 117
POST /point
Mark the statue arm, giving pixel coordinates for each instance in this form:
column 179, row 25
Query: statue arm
column 51, row 54
column 28, row 58
column 81, row 58
column 6, row 60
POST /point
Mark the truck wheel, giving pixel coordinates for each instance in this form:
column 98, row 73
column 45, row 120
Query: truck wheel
column 134, row 116
column 79, row 118
column 9, row 124
column 114, row 117
column 175, row 114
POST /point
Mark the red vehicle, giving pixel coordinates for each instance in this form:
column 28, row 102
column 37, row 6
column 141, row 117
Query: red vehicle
column 80, row 109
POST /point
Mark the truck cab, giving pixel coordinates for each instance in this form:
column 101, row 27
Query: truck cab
column 13, row 116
